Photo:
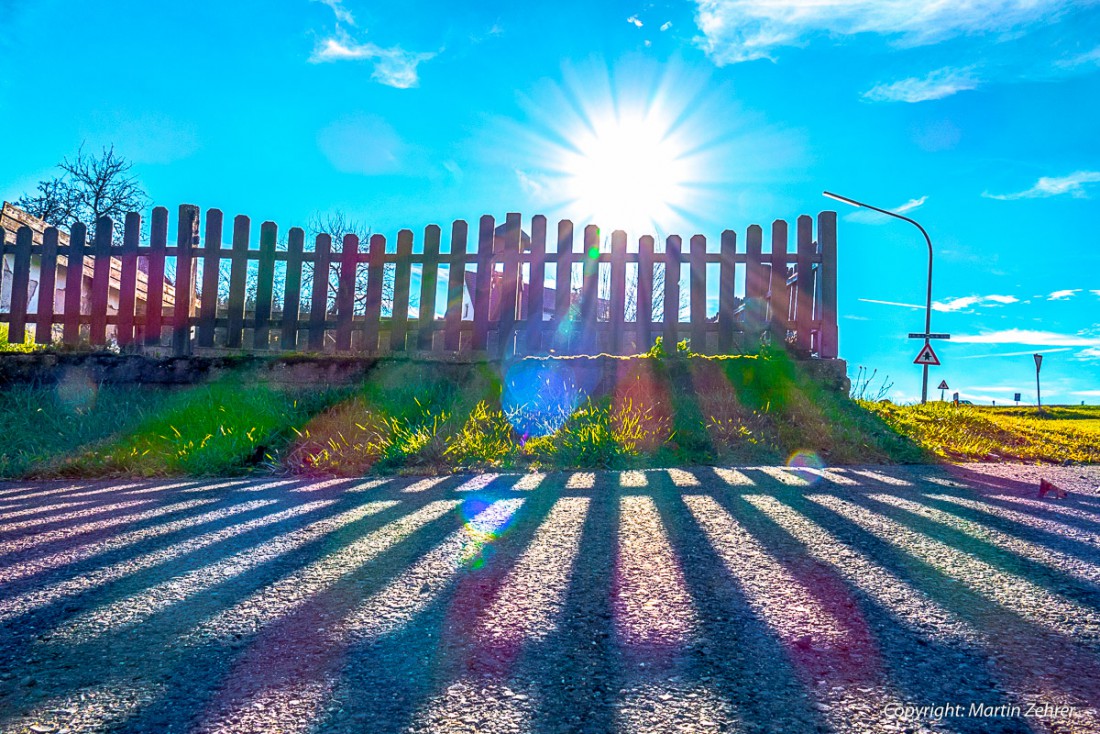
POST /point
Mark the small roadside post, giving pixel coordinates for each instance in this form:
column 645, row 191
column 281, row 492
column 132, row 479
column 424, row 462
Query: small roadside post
column 942, row 387
column 1038, row 394
column 1017, row 399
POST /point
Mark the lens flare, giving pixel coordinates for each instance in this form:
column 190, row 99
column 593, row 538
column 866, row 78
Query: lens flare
column 807, row 464
column 539, row 396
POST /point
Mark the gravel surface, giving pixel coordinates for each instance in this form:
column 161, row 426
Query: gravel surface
column 740, row 599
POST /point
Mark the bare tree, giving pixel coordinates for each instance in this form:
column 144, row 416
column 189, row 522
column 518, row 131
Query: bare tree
column 89, row 187
column 336, row 225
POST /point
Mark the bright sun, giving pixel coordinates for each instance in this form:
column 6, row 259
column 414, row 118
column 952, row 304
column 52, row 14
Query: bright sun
column 627, row 172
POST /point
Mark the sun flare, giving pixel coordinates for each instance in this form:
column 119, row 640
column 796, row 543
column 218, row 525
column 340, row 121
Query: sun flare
column 627, row 172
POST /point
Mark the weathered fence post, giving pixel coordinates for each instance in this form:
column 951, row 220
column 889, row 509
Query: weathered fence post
column 617, row 317
column 645, row 294
column 826, row 235
column 804, row 294
column 590, row 274
column 127, row 283
column 779, row 306
column 74, row 283
column 20, row 285
column 101, row 280
column 402, row 277
column 485, row 236
column 154, row 304
column 376, row 274
column 698, row 268
column 506, row 333
column 265, row 286
column 292, row 287
column 345, row 291
column 211, row 277
column 429, row 277
column 756, row 286
column 318, row 309
column 563, row 286
column 727, row 296
column 672, row 290
column 238, row 280
column 536, row 285
column 456, row 274
column 187, row 237
column 43, row 330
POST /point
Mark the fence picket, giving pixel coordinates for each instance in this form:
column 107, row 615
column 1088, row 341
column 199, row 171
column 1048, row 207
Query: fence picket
column 292, row 287
column 727, row 297
column 211, row 277
column 318, row 311
column 756, row 286
column 698, row 305
column 456, row 281
column 429, row 275
column 590, row 273
column 778, row 300
column 238, row 281
column 101, row 280
column 617, row 317
column 376, row 275
column 154, row 304
column 672, row 290
column 536, row 286
column 127, row 279
column 20, row 285
column 345, row 291
column 402, row 282
column 187, row 237
column 645, row 294
column 47, row 279
column 74, row 284
column 509, row 286
column 826, row 235
column 804, row 292
column 484, row 282
column 265, row 286
column 563, row 286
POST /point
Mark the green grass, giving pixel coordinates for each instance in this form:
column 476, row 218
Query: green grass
column 974, row 433
column 662, row 410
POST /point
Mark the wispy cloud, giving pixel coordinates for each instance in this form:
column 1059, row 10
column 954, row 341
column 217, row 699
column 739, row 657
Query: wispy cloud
column 393, row 67
column 343, row 15
column 666, row 25
column 1063, row 294
column 533, row 188
column 1095, row 292
column 953, row 304
column 1089, row 58
column 936, row 85
column 1087, row 393
column 867, row 216
column 633, row 20
column 1014, row 354
column 741, row 30
column 1029, row 337
column 1073, row 184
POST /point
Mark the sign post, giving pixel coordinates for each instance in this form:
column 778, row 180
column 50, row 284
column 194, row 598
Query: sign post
column 927, row 356
column 942, row 387
column 1038, row 395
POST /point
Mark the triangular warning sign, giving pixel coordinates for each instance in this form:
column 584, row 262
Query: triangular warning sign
column 943, row 385
column 927, row 356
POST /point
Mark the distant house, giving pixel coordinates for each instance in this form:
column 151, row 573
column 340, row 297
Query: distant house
column 12, row 218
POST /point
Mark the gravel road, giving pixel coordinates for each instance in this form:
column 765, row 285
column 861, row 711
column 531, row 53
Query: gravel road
column 744, row 599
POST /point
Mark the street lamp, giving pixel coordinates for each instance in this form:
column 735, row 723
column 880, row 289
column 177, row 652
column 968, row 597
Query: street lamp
column 928, row 308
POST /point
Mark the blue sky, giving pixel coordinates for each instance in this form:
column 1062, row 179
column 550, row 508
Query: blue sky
column 979, row 118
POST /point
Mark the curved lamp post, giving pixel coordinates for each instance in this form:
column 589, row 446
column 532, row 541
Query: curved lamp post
column 928, row 307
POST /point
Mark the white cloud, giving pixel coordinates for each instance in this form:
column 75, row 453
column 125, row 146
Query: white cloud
column 742, row 30
column 1064, row 294
column 1095, row 293
column 1087, row 393
column 533, row 188
column 1073, row 184
column 1029, row 337
column 1089, row 58
column 1014, row 354
column 634, row 20
column 343, row 15
column 868, row 216
column 953, row 304
column 666, row 25
column 1090, row 353
column 937, row 85
column 393, row 67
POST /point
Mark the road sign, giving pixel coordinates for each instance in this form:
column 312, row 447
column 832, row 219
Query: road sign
column 1038, row 361
column 927, row 356
column 926, row 337
column 943, row 385
column 1017, row 398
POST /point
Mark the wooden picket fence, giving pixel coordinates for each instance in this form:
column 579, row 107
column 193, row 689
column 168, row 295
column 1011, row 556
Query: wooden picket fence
column 786, row 296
